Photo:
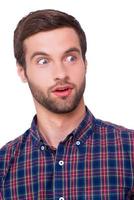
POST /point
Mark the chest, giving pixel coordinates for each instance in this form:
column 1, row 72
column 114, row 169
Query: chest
column 90, row 171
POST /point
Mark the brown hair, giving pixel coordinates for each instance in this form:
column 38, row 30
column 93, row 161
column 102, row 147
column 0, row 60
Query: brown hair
column 44, row 20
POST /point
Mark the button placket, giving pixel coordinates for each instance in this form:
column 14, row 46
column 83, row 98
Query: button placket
column 59, row 172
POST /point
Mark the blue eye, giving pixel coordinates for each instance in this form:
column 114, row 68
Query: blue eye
column 70, row 58
column 42, row 61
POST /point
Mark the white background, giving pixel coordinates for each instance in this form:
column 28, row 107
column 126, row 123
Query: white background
column 109, row 26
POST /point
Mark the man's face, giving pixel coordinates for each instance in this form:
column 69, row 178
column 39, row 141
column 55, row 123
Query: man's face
column 55, row 70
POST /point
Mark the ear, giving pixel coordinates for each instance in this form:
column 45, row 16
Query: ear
column 86, row 63
column 22, row 73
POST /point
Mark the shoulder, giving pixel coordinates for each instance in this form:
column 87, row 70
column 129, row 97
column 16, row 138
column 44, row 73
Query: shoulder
column 104, row 127
column 14, row 145
column 108, row 128
column 9, row 151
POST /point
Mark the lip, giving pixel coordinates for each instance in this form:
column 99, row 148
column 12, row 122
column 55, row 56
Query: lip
column 62, row 91
column 64, row 87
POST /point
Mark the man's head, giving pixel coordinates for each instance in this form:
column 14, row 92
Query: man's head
column 42, row 21
column 50, row 49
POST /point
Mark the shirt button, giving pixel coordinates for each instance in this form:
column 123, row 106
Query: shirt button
column 78, row 143
column 61, row 198
column 61, row 162
column 42, row 147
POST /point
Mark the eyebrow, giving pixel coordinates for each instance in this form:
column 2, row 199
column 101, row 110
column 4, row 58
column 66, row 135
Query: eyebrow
column 37, row 53
column 41, row 53
column 73, row 49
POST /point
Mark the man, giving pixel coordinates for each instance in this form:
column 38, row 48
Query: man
column 67, row 154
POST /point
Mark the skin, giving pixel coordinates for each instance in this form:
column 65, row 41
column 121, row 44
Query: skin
column 55, row 70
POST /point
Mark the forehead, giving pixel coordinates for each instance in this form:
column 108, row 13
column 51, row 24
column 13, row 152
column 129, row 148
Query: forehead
column 58, row 40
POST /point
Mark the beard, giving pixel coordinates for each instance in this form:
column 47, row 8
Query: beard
column 59, row 105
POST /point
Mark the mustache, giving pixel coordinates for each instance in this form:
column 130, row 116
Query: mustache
column 62, row 83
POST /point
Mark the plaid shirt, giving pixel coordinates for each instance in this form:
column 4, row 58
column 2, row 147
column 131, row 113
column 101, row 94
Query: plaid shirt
column 95, row 162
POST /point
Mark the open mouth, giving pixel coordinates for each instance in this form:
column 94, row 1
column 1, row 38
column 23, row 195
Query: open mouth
column 62, row 91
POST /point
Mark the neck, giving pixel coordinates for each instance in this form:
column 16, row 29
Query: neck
column 55, row 127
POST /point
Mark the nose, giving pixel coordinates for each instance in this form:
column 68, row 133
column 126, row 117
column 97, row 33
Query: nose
column 60, row 71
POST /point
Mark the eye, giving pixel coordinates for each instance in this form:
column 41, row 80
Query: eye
column 42, row 61
column 71, row 58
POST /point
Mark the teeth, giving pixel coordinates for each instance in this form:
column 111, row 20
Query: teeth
column 62, row 89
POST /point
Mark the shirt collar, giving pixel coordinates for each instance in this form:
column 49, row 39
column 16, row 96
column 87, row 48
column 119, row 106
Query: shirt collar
column 78, row 134
column 84, row 130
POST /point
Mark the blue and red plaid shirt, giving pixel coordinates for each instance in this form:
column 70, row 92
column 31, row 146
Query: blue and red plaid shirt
column 95, row 162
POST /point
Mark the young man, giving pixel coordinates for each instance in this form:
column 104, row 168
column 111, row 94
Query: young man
column 67, row 154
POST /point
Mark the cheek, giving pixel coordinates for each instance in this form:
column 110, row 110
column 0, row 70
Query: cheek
column 39, row 77
column 79, row 75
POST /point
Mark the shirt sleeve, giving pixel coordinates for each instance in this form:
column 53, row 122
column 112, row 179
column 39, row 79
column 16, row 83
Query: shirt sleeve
column 6, row 156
